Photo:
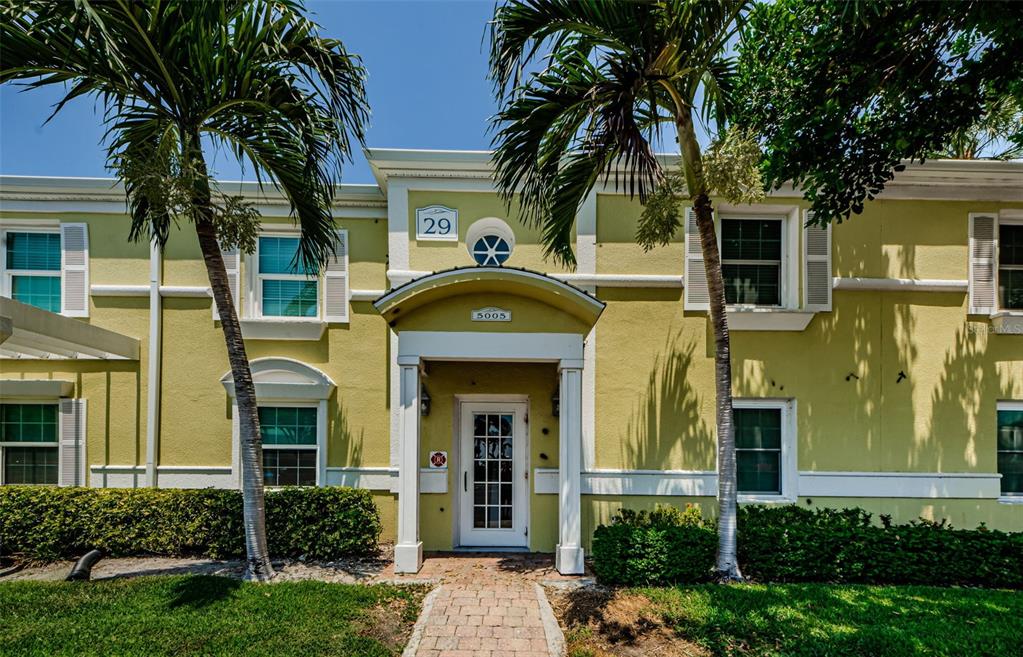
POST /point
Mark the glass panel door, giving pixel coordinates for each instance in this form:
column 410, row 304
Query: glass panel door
column 493, row 505
column 492, row 470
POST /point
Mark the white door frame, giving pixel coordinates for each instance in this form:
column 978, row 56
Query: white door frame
column 518, row 535
column 565, row 349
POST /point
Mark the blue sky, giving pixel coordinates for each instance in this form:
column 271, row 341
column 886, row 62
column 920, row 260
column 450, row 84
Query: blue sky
column 427, row 88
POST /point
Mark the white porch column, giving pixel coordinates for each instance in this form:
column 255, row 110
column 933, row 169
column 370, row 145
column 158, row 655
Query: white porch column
column 408, row 553
column 569, row 552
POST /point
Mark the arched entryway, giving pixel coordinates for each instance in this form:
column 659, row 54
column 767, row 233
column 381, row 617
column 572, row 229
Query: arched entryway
column 491, row 315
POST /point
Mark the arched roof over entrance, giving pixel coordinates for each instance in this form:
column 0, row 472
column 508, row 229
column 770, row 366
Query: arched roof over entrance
column 405, row 299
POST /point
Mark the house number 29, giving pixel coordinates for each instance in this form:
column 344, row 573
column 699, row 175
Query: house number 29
column 436, row 222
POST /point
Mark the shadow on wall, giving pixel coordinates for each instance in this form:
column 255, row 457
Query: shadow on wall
column 341, row 439
column 666, row 417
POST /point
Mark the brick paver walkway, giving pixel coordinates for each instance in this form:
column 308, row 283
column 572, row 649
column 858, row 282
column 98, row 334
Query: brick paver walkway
column 487, row 606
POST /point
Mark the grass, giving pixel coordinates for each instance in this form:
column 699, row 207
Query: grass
column 203, row 615
column 797, row 620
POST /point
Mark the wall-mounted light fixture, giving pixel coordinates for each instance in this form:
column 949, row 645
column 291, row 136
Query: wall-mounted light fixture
column 424, row 401
column 556, row 402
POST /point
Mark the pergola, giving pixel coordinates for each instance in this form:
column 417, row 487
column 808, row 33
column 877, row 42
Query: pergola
column 27, row 332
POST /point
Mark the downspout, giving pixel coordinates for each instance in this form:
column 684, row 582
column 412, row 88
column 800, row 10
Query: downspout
column 154, row 361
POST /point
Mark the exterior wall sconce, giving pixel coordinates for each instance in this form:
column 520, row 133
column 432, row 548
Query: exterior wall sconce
column 424, row 401
column 556, row 402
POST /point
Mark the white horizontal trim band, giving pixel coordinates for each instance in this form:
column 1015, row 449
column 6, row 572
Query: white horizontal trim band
column 960, row 485
column 622, row 280
column 402, row 276
column 192, row 291
column 930, row 485
column 197, row 469
column 907, row 284
column 367, row 295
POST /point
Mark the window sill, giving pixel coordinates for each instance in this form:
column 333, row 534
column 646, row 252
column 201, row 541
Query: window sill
column 1010, row 499
column 282, row 329
column 765, row 499
column 1009, row 322
column 768, row 319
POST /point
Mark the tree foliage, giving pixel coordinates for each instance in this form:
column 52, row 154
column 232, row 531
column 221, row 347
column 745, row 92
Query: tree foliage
column 255, row 78
column 611, row 74
column 841, row 94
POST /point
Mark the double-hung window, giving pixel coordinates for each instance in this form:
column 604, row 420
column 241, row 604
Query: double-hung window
column 1010, row 266
column 290, row 445
column 28, row 443
column 765, row 449
column 758, row 450
column 1010, row 448
column 32, row 268
column 285, row 288
column 751, row 261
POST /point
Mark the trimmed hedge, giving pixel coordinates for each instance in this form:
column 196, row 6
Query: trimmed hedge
column 43, row 523
column 663, row 546
column 795, row 544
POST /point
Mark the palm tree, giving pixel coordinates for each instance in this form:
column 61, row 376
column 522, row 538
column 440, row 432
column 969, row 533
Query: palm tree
column 617, row 71
column 177, row 77
column 997, row 135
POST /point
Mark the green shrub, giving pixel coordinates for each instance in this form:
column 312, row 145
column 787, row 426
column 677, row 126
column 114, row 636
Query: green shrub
column 665, row 546
column 795, row 544
column 43, row 523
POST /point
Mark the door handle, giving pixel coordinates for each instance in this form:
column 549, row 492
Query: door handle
column 465, row 481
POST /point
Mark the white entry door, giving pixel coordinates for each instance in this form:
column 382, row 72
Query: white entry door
column 492, row 484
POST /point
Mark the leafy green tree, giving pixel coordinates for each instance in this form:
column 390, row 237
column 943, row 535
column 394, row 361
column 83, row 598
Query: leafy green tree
column 616, row 72
column 841, row 94
column 176, row 77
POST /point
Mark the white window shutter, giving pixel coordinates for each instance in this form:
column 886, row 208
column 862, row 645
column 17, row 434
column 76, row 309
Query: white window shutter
column 71, row 451
column 74, row 265
column 983, row 263
column 697, row 294
column 817, row 281
column 232, row 259
column 336, row 292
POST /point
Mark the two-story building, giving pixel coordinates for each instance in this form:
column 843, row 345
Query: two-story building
column 490, row 398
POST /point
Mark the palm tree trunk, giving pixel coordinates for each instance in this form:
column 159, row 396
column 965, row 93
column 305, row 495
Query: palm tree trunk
column 727, row 558
column 257, row 556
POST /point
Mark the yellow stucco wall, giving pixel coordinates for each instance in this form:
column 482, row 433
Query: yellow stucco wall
column 445, row 381
column 654, row 384
column 435, row 256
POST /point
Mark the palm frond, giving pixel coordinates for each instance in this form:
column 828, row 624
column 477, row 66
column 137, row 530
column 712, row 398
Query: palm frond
column 255, row 76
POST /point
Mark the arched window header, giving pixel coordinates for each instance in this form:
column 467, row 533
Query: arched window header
column 284, row 378
column 490, row 241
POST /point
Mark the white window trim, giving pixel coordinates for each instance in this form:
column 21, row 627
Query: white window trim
column 489, row 226
column 790, row 251
column 321, row 435
column 7, row 275
column 256, row 279
column 1004, row 218
column 789, row 476
column 1012, row 498
column 55, row 444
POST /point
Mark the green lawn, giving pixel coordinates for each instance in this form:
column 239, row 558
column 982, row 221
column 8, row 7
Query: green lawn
column 202, row 615
column 800, row 620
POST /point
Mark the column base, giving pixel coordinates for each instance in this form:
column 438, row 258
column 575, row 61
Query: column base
column 408, row 558
column 569, row 560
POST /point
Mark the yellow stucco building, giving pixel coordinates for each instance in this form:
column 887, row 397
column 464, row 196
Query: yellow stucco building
column 489, row 398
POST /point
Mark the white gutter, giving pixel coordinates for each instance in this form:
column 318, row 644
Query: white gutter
column 154, row 361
